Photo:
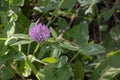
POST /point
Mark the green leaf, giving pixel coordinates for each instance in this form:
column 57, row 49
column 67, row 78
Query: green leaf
column 23, row 68
column 4, row 5
column 78, row 70
column 84, row 2
column 62, row 61
column 64, row 73
column 3, row 49
column 81, row 34
column 9, row 29
column 68, row 4
column 21, row 42
column 31, row 25
column 109, row 43
column 41, row 52
column 108, row 69
column 20, row 36
column 31, row 58
column 107, row 14
column 113, row 53
column 88, row 4
column 69, row 46
column 16, row 2
column 56, row 52
column 49, row 73
column 45, row 6
column 33, row 69
column 13, row 16
column 62, row 23
column 6, row 72
column 89, row 10
column 54, row 34
column 103, row 27
column 13, row 39
column 27, row 71
column 22, row 24
column 3, row 17
column 93, row 49
column 49, row 60
column 115, row 33
column 10, row 40
column 8, row 56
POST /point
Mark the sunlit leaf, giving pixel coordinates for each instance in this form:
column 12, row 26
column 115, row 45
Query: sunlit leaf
column 9, row 29
column 49, row 60
column 10, row 40
column 93, row 49
column 16, row 2
column 107, row 69
column 22, row 42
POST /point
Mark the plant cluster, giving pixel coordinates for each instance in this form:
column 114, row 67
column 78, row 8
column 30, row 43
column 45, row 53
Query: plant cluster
column 59, row 39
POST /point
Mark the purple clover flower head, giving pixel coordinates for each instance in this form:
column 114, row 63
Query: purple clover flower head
column 39, row 32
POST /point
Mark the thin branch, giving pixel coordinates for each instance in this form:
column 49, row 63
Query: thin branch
column 72, row 18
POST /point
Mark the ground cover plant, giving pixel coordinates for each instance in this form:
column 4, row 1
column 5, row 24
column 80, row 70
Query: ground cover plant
column 59, row 39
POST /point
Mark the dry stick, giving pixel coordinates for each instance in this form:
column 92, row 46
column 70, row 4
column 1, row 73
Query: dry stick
column 117, row 2
column 98, row 23
column 95, row 38
column 70, row 23
column 116, row 18
column 17, row 72
column 63, row 31
column 105, row 3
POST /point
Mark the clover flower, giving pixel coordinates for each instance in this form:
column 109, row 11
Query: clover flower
column 39, row 32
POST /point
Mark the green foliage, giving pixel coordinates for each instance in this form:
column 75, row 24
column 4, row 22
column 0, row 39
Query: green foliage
column 6, row 70
column 78, row 71
column 81, row 34
column 83, row 44
column 16, row 2
column 107, row 69
column 93, row 49
column 48, row 5
column 49, row 60
column 64, row 73
column 88, row 4
column 54, row 34
column 69, row 46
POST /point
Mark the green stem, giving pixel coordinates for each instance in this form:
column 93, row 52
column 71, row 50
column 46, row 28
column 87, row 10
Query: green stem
column 3, row 39
column 40, row 62
column 60, row 3
column 74, row 56
column 49, row 22
column 19, row 51
column 17, row 72
column 100, row 36
column 36, row 49
column 35, row 71
column 28, row 50
column 53, row 17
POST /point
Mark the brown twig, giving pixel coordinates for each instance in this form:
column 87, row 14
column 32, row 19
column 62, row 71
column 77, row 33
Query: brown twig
column 72, row 18
column 117, row 2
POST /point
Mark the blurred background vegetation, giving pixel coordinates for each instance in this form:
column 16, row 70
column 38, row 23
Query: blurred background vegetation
column 84, row 42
